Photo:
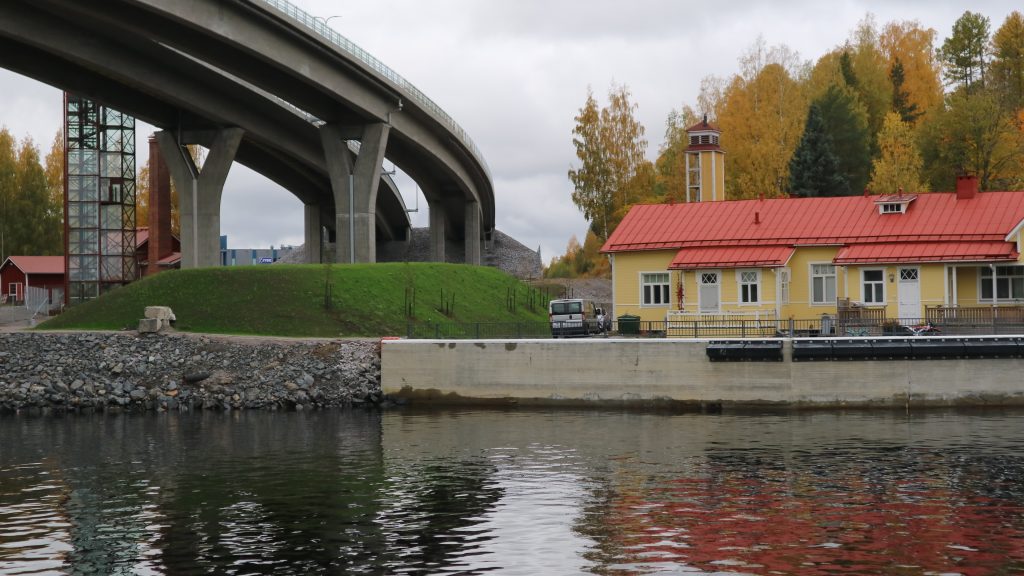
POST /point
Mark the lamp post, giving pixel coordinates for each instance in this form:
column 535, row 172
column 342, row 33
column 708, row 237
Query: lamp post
column 3, row 219
column 325, row 20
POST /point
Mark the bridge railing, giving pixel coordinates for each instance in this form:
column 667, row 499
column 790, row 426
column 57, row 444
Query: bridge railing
column 319, row 26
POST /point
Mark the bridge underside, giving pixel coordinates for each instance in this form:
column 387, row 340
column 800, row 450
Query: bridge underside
column 114, row 57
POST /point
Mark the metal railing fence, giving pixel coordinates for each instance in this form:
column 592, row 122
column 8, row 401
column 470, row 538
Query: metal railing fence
column 722, row 328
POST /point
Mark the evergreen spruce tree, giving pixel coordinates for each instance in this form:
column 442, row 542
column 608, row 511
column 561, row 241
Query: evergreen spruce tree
column 901, row 103
column 846, row 121
column 814, row 168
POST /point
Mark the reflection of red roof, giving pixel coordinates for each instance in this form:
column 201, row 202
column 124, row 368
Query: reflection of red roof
column 38, row 264
column 932, row 218
column 731, row 257
column 926, row 252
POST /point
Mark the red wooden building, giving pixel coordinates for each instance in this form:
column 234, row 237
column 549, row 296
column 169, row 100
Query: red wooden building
column 17, row 272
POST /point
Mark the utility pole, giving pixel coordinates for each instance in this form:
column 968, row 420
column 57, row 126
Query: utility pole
column 3, row 226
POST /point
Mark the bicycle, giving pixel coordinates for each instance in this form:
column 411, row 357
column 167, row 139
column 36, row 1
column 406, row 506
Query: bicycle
column 923, row 329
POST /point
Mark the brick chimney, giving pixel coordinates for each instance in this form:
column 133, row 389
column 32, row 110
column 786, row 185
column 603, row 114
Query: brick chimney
column 966, row 187
column 161, row 243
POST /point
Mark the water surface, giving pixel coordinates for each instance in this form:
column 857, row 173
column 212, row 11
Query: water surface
column 517, row 492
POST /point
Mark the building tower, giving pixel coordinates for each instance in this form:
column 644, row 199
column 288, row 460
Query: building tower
column 705, row 164
column 99, row 199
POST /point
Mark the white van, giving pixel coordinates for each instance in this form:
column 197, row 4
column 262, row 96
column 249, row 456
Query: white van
column 572, row 317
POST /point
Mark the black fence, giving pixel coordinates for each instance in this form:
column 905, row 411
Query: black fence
column 827, row 326
column 477, row 330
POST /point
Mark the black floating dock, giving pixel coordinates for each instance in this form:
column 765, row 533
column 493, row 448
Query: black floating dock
column 906, row 348
column 745, row 351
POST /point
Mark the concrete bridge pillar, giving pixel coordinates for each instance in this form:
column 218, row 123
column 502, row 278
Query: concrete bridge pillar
column 199, row 193
column 437, row 224
column 473, row 237
column 355, row 189
column 313, row 233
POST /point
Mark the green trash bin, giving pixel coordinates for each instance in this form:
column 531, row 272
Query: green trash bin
column 629, row 324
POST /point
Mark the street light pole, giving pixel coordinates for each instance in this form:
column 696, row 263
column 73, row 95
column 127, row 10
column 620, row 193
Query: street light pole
column 3, row 229
column 325, row 20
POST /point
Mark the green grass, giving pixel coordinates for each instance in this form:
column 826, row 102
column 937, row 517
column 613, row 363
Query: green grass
column 289, row 300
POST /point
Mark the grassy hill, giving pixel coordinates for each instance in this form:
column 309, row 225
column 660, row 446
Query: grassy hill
column 290, row 300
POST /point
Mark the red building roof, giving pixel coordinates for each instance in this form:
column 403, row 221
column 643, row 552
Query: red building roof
column 732, row 257
column 38, row 264
column 927, row 252
column 931, row 218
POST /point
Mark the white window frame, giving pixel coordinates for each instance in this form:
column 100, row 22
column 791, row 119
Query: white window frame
column 986, row 281
column 667, row 293
column 810, row 284
column 13, row 287
column 864, row 285
column 740, row 285
column 785, row 280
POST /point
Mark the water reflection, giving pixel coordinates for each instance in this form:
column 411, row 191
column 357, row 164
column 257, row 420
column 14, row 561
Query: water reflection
column 470, row 492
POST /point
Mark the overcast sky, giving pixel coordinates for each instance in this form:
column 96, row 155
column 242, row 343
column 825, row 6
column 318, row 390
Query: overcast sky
column 514, row 74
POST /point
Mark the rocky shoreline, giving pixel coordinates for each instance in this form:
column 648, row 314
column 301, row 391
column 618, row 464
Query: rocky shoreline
column 74, row 372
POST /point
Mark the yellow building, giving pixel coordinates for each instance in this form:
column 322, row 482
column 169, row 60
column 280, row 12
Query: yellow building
column 899, row 257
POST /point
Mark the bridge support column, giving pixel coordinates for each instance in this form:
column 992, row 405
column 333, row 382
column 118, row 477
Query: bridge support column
column 313, row 233
column 472, row 236
column 199, row 193
column 355, row 189
column 437, row 224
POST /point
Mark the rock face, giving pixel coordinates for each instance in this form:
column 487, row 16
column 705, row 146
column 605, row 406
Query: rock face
column 99, row 371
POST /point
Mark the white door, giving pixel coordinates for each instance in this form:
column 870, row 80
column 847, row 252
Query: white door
column 709, row 291
column 909, row 295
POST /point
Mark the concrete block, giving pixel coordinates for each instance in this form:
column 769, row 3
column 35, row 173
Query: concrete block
column 160, row 313
column 149, row 325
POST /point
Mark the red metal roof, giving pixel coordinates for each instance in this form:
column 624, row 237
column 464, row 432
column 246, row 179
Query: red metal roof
column 170, row 260
column 731, row 257
column 926, row 252
column 703, row 126
column 38, row 264
column 933, row 217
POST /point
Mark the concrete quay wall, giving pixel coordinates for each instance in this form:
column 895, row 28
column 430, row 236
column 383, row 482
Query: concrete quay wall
column 629, row 371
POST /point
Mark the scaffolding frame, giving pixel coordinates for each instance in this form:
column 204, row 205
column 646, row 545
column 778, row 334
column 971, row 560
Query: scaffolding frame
column 99, row 199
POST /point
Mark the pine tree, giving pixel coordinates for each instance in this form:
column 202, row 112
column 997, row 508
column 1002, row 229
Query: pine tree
column 964, row 52
column 814, row 168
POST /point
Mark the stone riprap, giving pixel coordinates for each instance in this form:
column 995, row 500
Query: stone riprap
column 131, row 372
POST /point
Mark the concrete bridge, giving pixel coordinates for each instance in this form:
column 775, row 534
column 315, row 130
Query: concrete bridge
column 265, row 84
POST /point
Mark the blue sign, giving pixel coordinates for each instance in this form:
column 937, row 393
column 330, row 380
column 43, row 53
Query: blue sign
column 266, row 260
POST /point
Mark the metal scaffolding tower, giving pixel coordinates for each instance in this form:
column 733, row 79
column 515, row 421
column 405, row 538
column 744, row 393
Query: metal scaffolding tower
column 99, row 199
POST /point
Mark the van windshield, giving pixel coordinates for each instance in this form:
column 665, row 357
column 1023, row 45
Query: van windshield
column 567, row 307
